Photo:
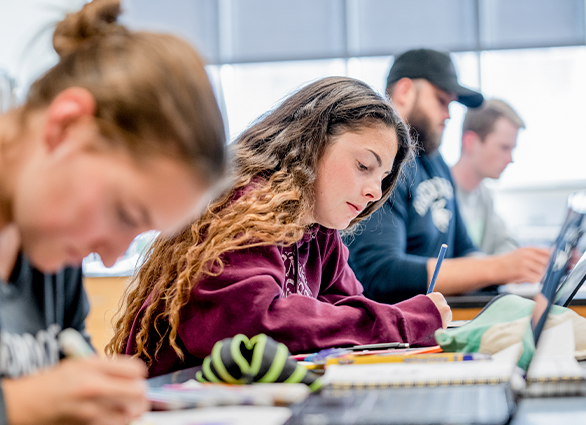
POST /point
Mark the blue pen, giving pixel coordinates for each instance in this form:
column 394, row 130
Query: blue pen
column 322, row 355
column 440, row 258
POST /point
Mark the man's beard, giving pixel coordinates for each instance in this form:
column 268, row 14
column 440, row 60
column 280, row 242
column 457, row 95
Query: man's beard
column 423, row 132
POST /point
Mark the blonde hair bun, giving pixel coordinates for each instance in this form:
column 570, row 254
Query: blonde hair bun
column 96, row 19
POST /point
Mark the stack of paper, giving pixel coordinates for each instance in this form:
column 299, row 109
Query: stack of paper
column 233, row 415
column 554, row 370
column 192, row 394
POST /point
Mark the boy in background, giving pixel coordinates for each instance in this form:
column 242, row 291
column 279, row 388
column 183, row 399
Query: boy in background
column 489, row 135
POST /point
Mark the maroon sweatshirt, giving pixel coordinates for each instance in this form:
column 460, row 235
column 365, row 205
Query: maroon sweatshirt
column 305, row 296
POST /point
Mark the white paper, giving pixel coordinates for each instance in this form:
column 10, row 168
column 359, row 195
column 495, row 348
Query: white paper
column 227, row 415
column 554, row 357
column 557, row 341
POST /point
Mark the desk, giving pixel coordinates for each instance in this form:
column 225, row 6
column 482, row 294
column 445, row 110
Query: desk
column 533, row 411
column 551, row 411
column 466, row 307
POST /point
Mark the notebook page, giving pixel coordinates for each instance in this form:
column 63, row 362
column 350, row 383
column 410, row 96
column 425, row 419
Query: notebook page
column 233, row 415
column 554, row 357
column 494, row 371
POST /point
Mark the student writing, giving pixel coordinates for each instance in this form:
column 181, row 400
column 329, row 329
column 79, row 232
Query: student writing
column 266, row 256
column 123, row 135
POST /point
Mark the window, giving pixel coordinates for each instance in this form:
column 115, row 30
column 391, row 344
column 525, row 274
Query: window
column 250, row 90
column 546, row 86
column 548, row 89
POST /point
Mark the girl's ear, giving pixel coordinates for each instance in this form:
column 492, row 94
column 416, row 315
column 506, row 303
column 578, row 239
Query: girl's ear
column 70, row 106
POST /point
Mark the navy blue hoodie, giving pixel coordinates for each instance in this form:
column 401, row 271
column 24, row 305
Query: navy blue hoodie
column 389, row 252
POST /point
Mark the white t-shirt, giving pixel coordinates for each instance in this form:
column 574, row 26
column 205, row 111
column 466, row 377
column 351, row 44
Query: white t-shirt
column 486, row 229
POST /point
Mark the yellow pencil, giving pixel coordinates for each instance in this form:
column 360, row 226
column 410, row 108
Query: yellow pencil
column 414, row 358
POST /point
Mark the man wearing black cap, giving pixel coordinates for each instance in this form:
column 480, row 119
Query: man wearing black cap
column 394, row 253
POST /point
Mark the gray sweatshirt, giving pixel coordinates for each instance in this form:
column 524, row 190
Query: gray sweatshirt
column 34, row 308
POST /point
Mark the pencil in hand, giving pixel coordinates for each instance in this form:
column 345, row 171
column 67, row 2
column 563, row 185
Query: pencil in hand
column 440, row 258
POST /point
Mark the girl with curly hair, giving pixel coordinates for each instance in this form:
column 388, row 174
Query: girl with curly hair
column 266, row 255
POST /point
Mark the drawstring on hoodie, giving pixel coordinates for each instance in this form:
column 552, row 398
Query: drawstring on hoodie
column 296, row 256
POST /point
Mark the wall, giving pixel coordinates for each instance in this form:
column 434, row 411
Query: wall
column 26, row 31
column 104, row 294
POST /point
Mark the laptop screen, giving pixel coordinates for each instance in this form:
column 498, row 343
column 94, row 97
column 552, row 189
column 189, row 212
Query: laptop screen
column 572, row 284
column 565, row 243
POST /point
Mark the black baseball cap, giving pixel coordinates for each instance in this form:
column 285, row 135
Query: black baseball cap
column 437, row 68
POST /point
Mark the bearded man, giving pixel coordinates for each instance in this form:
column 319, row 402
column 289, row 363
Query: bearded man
column 394, row 253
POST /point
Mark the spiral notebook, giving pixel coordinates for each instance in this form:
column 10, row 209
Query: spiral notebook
column 496, row 371
column 460, row 392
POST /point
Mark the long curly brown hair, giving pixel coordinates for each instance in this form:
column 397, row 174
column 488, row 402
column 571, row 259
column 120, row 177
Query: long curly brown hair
column 274, row 169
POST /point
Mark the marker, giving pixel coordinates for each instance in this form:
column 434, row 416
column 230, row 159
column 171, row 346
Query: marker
column 74, row 345
column 440, row 258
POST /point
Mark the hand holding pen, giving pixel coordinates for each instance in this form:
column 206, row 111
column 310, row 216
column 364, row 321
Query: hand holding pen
column 86, row 390
column 74, row 345
column 437, row 298
column 440, row 258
